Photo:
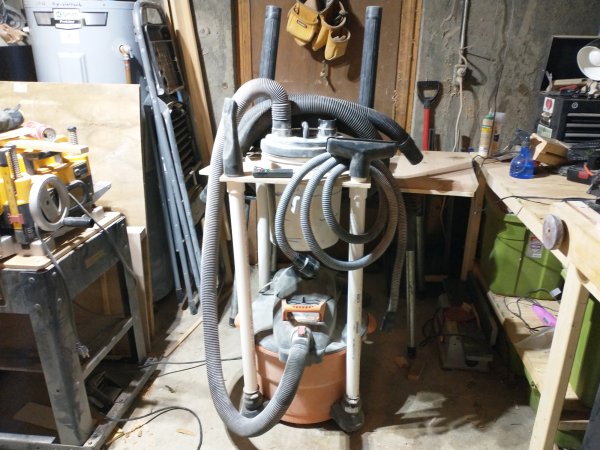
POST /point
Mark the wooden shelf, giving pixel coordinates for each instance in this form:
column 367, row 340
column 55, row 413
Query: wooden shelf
column 535, row 361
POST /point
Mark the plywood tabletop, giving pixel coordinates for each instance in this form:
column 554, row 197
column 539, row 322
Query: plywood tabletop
column 546, row 189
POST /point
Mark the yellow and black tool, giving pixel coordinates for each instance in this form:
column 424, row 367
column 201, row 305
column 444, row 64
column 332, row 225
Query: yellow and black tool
column 36, row 178
column 15, row 198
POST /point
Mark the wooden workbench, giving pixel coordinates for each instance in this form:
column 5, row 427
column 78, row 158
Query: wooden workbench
column 582, row 278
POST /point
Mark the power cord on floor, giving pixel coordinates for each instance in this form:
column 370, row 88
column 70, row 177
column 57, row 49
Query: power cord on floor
column 154, row 415
column 199, row 363
column 432, row 329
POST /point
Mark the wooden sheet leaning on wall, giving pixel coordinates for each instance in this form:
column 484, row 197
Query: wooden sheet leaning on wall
column 185, row 34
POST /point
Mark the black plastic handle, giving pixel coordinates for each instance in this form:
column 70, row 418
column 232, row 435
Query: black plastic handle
column 360, row 152
column 78, row 222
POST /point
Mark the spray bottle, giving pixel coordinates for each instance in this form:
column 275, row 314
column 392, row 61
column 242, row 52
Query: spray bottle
column 522, row 165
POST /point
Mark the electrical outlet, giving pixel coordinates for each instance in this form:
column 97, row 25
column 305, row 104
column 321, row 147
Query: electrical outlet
column 460, row 72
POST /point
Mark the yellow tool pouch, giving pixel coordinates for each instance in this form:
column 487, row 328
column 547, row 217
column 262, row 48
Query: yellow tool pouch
column 332, row 35
column 303, row 23
column 332, row 17
column 337, row 41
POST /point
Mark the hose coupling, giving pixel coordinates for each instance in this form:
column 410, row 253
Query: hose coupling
column 306, row 265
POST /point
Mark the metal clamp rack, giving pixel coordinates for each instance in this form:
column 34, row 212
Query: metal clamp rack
column 40, row 293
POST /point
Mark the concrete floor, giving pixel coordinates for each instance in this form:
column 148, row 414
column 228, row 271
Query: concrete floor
column 442, row 410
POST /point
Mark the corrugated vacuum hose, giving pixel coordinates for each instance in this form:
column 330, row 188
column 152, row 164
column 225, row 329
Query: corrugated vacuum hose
column 360, row 121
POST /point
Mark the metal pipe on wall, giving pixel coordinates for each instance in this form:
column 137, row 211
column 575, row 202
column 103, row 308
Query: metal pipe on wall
column 368, row 68
column 268, row 52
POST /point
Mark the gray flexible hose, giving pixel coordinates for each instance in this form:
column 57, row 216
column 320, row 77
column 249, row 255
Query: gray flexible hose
column 402, row 236
column 359, row 119
column 378, row 225
column 256, row 122
column 395, row 203
column 355, row 117
column 280, row 111
column 311, row 241
column 284, row 201
column 292, row 374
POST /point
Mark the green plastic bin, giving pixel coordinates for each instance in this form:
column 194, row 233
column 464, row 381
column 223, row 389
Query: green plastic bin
column 513, row 261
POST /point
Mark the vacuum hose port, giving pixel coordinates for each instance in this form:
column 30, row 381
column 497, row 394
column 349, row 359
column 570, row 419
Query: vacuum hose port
column 306, row 265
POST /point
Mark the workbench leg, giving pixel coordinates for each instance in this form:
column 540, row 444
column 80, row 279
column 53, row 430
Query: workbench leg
column 420, row 243
column 133, row 309
column 560, row 361
column 411, row 297
column 473, row 225
column 411, row 273
column 52, row 324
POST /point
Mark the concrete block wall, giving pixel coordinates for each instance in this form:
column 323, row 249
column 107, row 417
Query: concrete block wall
column 507, row 44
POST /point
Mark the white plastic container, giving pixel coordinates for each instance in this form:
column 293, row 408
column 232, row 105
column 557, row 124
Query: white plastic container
column 323, row 234
column 485, row 138
column 292, row 152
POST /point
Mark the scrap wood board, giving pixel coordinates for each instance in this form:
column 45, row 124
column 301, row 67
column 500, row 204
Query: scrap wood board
column 107, row 117
column 439, row 173
column 433, row 163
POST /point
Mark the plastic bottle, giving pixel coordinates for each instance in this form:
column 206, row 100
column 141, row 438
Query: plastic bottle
column 485, row 139
column 522, row 165
column 499, row 119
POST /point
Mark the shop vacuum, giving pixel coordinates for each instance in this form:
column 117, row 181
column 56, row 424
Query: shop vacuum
column 300, row 338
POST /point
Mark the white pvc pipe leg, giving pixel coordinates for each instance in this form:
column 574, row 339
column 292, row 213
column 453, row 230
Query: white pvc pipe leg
column 263, row 234
column 239, row 237
column 358, row 198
